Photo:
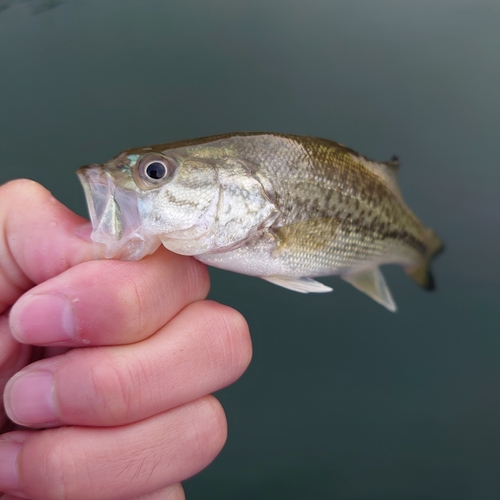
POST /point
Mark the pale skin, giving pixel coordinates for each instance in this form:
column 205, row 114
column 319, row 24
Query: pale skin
column 117, row 404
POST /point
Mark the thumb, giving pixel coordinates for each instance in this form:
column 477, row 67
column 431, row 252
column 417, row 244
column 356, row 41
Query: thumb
column 39, row 238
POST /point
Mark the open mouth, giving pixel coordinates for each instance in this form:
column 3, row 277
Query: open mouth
column 114, row 213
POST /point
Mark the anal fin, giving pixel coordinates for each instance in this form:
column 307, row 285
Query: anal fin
column 372, row 283
column 302, row 285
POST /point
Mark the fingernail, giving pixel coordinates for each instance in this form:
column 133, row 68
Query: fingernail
column 8, row 465
column 29, row 398
column 43, row 319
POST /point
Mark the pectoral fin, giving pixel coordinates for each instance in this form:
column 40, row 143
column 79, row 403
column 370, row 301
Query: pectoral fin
column 302, row 285
column 373, row 284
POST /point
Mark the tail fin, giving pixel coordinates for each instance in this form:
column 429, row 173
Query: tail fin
column 422, row 274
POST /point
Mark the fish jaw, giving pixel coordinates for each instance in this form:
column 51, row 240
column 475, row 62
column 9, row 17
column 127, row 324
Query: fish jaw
column 118, row 232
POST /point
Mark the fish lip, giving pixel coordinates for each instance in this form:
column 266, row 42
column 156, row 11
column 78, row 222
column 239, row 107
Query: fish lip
column 87, row 179
column 114, row 213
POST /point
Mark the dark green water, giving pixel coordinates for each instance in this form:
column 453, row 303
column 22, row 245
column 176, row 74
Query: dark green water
column 343, row 399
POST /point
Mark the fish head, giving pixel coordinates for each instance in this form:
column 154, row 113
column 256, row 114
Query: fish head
column 135, row 200
column 190, row 201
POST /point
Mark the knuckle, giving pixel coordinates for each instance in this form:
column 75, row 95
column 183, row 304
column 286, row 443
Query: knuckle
column 50, row 466
column 120, row 313
column 228, row 336
column 111, row 390
column 24, row 188
column 129, row 297
column 210, row 428
column 13, row 195
column 116, row 388
column 198, row 280
column 21, row 192
column 33, row 249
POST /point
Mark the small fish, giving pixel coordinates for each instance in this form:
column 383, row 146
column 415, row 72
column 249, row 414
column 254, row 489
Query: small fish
column 282, row 207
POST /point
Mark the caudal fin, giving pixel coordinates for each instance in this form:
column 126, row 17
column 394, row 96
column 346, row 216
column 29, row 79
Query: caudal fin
column 422, row 274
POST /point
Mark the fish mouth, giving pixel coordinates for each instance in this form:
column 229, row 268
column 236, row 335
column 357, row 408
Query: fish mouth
column 114, row 213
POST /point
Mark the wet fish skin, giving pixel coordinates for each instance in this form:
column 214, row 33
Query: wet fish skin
column 283, row 207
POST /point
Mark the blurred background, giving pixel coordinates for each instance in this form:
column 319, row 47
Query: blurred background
column 343, row 400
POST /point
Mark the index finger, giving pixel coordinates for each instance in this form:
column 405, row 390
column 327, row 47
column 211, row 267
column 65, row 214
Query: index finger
column 109, row 302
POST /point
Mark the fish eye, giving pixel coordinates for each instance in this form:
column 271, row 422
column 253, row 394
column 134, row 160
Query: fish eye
column 156, row 170
column 153, row 170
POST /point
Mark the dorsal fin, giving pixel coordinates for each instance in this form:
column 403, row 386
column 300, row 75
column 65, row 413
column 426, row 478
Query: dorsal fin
column 392, row 167
column 388, row 171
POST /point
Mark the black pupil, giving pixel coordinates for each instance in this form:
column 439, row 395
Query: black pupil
column 156, row 170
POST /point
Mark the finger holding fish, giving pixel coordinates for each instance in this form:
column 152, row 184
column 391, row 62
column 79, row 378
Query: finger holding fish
column 108, row 302
column 39, row 238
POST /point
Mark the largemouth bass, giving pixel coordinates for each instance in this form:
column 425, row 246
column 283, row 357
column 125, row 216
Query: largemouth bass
column 282, row 207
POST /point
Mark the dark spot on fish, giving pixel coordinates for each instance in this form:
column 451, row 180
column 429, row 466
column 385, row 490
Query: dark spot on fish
column 328, row 196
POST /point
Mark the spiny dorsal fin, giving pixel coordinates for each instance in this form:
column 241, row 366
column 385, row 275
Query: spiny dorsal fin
column 393, row 167
column 388, row 171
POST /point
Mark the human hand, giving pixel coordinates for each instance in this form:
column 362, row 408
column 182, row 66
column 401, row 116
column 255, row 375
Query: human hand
column 125, row 412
